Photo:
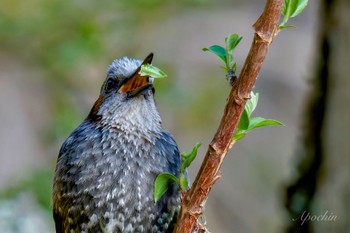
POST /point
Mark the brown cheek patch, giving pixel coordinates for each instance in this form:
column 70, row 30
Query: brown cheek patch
column 93, row 115
column 135, row 82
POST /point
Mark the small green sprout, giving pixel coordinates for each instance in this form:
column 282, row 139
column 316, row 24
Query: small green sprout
column 226, row 54
column 291, row 8
column 164, row 180
column 248, row 123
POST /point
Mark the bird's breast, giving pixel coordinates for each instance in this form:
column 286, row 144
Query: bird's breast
column 115, row 179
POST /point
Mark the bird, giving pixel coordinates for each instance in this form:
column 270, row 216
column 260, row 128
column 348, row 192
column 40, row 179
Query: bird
column 106, row 168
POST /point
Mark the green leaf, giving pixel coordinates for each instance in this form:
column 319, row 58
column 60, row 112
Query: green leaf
column 234, row 66
column 246, row 123
column 286, row 7
column 292, row 8
column 152, row 71
column 162, row 184
column 251, row 103
column 239, row 135
column 218, row 51
column 230, row 60
column 242, row 126
column 243, row 121
column 224, row 69
column 286, row 26
column 183, row 182
column 299, row 7
column 257, row 122
column 232, row 41
column 188, row 157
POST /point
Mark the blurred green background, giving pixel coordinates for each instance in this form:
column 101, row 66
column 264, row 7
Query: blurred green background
column 53, row 58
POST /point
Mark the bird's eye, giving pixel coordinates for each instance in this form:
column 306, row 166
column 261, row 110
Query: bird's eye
column 111, row 84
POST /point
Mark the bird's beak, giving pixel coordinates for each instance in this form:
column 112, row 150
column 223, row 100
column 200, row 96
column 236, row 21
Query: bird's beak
column 137, row 82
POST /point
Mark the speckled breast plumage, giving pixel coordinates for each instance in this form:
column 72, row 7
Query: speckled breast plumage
column 104, row 181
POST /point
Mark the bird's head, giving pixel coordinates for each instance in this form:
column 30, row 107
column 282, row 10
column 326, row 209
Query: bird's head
column 126, row 98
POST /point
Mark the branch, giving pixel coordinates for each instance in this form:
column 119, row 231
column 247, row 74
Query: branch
column 266, row 28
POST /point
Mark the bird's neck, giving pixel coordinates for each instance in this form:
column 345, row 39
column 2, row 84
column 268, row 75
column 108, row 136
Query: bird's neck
column 141, row 121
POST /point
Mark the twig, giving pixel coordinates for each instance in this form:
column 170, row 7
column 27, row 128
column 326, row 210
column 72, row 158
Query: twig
column 266, row 28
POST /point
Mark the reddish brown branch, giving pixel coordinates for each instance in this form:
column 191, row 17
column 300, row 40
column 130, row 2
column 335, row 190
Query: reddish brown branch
column 266, row 28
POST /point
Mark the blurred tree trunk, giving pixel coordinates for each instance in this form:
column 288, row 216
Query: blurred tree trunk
column 322, row 185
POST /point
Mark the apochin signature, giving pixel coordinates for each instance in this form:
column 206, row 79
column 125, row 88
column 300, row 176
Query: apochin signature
column 325, row 217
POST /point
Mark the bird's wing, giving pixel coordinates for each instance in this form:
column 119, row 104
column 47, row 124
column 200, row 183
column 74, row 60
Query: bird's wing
column 58, row 222
column 171, row 153
column 63, row 182
column 168, row 155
